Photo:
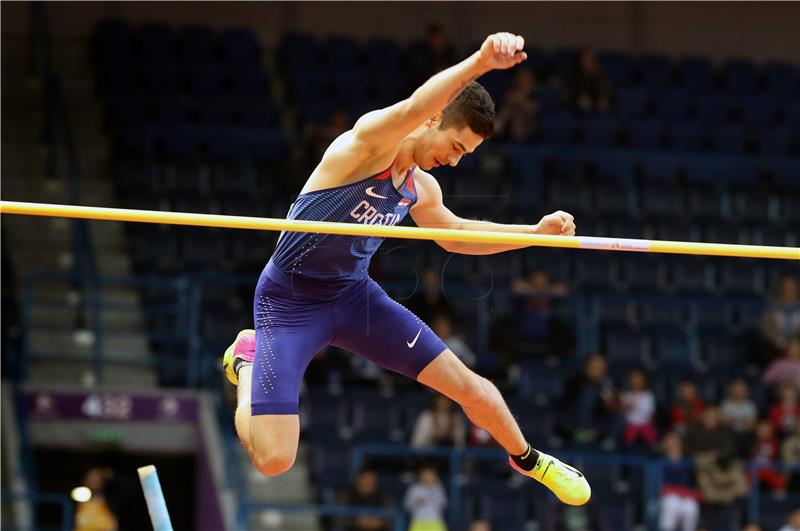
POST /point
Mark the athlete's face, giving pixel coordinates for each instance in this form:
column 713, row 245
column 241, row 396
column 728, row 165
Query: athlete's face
column 440, row 147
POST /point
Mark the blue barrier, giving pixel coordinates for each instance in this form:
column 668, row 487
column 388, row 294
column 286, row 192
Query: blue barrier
column 397, row 516
column 42, row 498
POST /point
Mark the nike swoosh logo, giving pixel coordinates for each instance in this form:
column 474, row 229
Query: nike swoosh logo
column 371, row 193
column 546, row 469
column 412, row 343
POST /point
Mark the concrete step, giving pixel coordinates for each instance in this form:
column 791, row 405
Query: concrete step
column 273, row 520
column 114, row 319
column 71, row 371
column 69, row 343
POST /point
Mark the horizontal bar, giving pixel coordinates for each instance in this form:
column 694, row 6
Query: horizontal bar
column 416, row 233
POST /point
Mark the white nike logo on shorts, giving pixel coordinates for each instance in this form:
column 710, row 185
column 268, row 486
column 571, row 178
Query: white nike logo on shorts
column 412, row 343
column 371, row 193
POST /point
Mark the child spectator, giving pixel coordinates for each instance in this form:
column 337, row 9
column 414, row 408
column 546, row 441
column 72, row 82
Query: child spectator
column 786, row 413
column 680, row 508
column 738, row 411
column 687, row 409
column 765, row 452
column 426, row 501
column 639, row 407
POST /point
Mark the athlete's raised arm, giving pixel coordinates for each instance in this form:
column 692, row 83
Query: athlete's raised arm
column 384, row 128
column 430, row 211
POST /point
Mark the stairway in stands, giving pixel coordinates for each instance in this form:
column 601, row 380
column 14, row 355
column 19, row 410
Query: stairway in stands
column 45, row 244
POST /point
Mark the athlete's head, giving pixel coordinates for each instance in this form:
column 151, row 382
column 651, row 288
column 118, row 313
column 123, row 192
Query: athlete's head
column 459, row 129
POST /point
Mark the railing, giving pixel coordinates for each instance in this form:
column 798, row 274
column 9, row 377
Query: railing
column 397, row 516
column 41, row 498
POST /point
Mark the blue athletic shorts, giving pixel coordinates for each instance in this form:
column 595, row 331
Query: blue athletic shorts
column 296, row 316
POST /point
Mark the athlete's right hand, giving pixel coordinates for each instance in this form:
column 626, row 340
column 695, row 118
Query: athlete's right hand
column 501, row 51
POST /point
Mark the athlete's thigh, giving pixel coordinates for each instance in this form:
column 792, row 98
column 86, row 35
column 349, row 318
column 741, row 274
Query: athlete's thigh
column 370, row 323
column 289, row 332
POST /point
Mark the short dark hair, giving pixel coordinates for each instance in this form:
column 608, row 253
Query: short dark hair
column 474, row 108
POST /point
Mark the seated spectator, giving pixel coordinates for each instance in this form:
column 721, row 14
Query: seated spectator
column 793, row 522
column 753, row 527
column 429, row 300
column 780, row 322
column 535, row 324
column 738, row 411
column 687, row 409
column 765, row 452
column 593, row 399
column 426, row 500
column 639, row 407
column 790, row 455
column 785, row 414
column 518, row 116
column 442, row 326
column 709, row 436
column 680, row 508
column 441, row 425
column 588, row 89
column 785, row 370
column 366, row 493
column 480, row 525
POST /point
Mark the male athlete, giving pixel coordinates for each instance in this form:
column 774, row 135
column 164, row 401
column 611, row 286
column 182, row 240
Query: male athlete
column 315, row 290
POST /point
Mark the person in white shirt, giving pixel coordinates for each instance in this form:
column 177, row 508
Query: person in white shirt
column 426, row 500
column 639, row 408
column 738, row 411
column 793, row 524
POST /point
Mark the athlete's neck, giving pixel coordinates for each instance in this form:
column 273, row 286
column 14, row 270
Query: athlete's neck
column 405, row 155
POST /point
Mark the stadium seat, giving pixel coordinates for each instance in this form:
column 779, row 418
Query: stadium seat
column 740, row 77
column 686, row 135
column 656, row 72
column 630, row 102
column 646, row 134
column 696, row 75
column 672, row 106
column 599, row 130
column 775, row 141
column 782, row 80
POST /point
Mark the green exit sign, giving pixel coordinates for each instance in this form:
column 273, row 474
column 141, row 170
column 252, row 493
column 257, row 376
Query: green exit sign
column 104, row 435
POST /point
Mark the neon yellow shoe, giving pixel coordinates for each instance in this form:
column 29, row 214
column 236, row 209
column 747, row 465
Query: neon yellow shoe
column 569, row 485
column 244, row 348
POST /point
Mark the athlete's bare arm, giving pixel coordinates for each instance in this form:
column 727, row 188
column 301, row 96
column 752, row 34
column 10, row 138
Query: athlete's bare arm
column 373, row 143
column 430, row 211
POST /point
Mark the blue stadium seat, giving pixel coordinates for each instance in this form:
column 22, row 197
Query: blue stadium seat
column 646, row 134
column 661, row 166
column 599, row 130
column 564, row 61
column 197, row 44
column 644, row 274
column 711, row 316
column 625, row 349
column 618, row 67
column 712, row 109
column 240, row 47
column 558, row 128
column 138, row 142
column 686, row 135
column 673, row 350
column 761, row 111
column 707, row 169
column 691, row 276
column 614, row 166
column 783, row 79
column 656, row 72
column 631, row 102
column 775, row 141
column 785, row 172
column 723, row 353
column 162, row 78
column 737, row 278
column 696, row 75
column 597, row 273
column 660, row 200
column 740, row 77
column 672, row 106
column 505, row 508
column 205, row 81
column 250, row 82
column 156, row 43
column 382, row 55
column 676, row 229
column 298, row 50
column 664, row 313
column 732, row 138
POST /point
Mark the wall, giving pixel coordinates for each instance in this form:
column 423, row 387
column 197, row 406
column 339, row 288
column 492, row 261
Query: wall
column 759, row 30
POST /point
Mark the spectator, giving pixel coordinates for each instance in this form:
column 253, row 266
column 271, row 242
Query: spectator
column 639, row 407
column 442, row 325
column 588, row 89
column 785, row 370
column 680, row 508
column 95, row 513
column 753, row 527
column 765, row 452
column 596, row 400
column 429, row 300
column 535, row 324
column 366, row 493
column 709, row 435
column 518, row 116
column 441, row 425
column 426, row 501
column 793, row 523
column 480, row 525
column 687, row 409
column 780, row 322
column 785, row 415
column 790, row 455
column 436, row 54
column 738, row 411
column 321, row 136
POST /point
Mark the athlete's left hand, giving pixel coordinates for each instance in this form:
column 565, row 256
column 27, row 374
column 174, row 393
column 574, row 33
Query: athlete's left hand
column 558, row 223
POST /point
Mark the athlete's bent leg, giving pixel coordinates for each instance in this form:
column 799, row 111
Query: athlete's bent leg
column 479, row 398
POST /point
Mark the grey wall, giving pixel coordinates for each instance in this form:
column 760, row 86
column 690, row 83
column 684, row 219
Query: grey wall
column 759, row 30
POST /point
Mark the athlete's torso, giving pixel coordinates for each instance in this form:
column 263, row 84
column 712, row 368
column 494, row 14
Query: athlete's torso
column 371, row 201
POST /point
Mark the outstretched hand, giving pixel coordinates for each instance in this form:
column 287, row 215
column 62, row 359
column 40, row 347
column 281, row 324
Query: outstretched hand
column 558, row 223
column 502, row 50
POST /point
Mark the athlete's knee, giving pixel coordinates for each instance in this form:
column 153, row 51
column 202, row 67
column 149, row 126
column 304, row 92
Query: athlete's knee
column 477, row 393
column 273, row 462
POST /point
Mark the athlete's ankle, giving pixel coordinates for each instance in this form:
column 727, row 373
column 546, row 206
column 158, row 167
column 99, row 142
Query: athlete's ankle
column 526, row 460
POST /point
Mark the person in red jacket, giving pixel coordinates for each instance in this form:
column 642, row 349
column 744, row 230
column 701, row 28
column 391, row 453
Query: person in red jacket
column 786, row 413
column 687, row 408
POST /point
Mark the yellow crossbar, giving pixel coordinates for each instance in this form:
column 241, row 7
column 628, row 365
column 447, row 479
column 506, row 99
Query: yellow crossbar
column 416, row 233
